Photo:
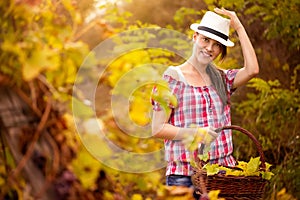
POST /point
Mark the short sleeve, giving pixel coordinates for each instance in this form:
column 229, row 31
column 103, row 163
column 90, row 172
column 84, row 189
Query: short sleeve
column 171, row 77
column 230, row 76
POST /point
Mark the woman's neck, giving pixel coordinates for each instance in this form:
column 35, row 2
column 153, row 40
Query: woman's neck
column 196, row 66
column 195, row 75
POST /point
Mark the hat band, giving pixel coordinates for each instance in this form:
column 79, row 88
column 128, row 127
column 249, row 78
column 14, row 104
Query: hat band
column 217, row 33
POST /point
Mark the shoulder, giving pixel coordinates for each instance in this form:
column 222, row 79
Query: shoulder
column 172, row 72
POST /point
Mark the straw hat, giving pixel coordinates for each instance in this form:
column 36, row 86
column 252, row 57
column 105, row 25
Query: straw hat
column 215, row 27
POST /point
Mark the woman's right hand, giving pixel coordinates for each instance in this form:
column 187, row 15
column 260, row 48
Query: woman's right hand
column 210, row 134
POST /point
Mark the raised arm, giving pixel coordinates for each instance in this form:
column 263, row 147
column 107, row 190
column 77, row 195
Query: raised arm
column 251, row 67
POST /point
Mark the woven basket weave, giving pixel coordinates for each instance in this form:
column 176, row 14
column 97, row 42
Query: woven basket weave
column 232, row 187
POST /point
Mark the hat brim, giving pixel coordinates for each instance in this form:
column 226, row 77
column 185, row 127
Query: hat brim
column 227, row 42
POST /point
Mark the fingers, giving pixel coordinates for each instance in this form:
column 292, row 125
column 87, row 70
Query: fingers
column 234, row 21
column 210, row 135
column 225, row 12
column 218, row 10
column 212, row 132
column 194, row 136
column 221, row 11
column 190, row 138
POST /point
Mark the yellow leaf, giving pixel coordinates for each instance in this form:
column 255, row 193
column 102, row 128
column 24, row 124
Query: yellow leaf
column 70, row 71
column 136, row 197
column 213, row 194
column 40, row 59
column 77, row 18
column 234, row 173
column 68, row 4
column 253, row 165
column 281, row 192
column 211, row 169
column 178, row 190
column 242, row 165
column 139, row 110
column 108, row 195
column 86, row 168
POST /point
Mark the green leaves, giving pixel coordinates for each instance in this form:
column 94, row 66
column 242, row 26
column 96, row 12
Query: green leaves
column 86, row 168
column 211, row 169
column 164, row 97
column 36, row 41
column 253, row 165
column 267, row 175
column 245, row 169
column 204, row 156
column 40, row 60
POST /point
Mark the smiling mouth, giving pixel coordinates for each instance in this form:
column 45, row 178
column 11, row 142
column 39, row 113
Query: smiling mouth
column 206, row 54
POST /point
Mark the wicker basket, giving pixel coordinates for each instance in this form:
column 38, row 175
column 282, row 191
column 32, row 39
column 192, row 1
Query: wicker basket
column 232, row 187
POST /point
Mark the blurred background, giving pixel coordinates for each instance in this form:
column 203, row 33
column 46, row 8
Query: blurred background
column 44, row 43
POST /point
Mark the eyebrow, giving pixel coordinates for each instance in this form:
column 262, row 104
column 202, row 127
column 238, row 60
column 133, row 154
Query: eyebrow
column 205, row 37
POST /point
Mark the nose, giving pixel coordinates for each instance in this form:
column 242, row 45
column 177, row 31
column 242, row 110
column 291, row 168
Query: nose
column 209, row 46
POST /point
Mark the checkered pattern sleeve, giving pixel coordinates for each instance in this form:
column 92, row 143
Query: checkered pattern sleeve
column 229, row 78
column 173, row 88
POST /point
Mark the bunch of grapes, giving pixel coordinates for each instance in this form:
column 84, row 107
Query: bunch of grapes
column 64, row 183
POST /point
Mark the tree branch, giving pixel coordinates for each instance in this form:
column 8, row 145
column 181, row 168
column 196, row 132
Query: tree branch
column 36, row 136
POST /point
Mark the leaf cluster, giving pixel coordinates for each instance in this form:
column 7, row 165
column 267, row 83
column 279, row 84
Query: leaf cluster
column 39, row 41
column 251, row 168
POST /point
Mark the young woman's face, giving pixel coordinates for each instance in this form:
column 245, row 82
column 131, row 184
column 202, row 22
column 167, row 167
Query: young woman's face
column 206, row 49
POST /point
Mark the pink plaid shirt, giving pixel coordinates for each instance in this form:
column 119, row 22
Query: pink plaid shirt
column 199, row 106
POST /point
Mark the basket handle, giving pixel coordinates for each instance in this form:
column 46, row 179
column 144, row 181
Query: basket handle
column 251, row 136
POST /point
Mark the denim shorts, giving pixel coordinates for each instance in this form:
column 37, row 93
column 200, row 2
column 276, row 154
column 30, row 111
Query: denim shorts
column 180, row 180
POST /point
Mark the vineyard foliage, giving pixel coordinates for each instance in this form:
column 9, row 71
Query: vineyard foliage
column 45, row 43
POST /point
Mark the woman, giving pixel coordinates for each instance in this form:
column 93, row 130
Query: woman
column 203, row 94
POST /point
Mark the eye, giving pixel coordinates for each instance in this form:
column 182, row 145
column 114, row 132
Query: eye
column 218, row 45
column 205, row 39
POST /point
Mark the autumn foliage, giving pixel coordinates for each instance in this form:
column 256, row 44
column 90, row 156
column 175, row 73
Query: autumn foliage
column 52, row 132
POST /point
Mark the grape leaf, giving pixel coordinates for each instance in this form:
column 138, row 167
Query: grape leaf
column 267, row 175
column 253, row 165
column 242, row 165
column 247, row 169
column 268, row 165
column 234, row 173
column 211, row 169
column 204, row 157
column 41, row 58
column 193, row 163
